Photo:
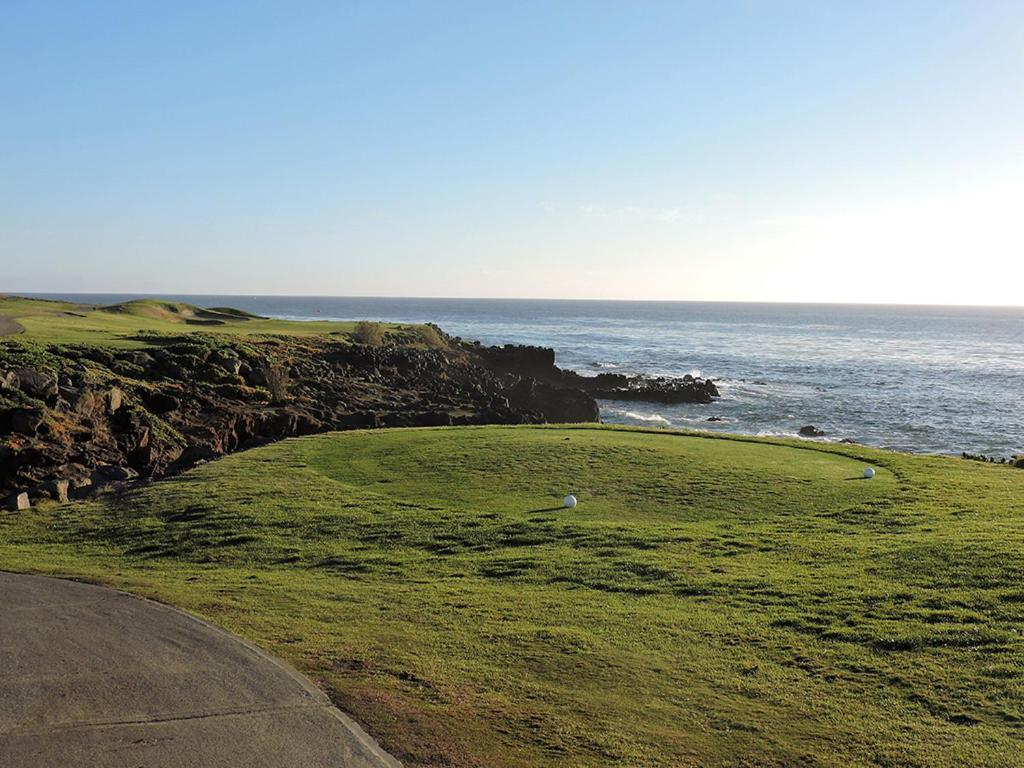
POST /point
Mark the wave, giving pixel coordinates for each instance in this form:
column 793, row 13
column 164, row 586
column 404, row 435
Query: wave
column 649, row 418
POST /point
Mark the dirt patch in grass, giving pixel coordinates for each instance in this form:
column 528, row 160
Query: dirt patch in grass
column 9, row 326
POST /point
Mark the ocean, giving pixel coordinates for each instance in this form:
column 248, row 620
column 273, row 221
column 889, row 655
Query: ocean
column 922, row 379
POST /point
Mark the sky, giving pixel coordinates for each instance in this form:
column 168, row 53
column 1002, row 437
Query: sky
column 748, row 151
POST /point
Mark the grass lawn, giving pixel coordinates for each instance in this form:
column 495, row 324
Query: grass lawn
column 712, row 601
column 119, row 325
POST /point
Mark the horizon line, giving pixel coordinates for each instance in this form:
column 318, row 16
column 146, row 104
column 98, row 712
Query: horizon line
column 140, row 294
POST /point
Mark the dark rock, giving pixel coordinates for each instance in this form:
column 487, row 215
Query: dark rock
column 396, row 419
column 85, row 402
column 67, row 391
column 194, row 454
column 228, row 360
column 41, row 384
column 432, row 419
column 608, row 381
column 142, row 453
column 714, row 418
column 522, row 360
column 254, row 442
column 161, row 403
column 554, row 404
column 539, row 363
column 18, row 502
column 665, row 390
column 27, row 421
column 810, row 431
column 112, row 473
column 57, row 490
column 255, row 376
column 80, row 488
column 139, row 359
column 365, row 420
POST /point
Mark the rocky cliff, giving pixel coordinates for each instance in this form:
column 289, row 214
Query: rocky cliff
column 74, row 418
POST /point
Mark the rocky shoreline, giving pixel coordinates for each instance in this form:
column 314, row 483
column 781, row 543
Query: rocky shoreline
column 77, row 418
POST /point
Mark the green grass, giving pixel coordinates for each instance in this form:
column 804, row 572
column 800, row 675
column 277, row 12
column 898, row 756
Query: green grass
column 712, row 601
column 120, row 325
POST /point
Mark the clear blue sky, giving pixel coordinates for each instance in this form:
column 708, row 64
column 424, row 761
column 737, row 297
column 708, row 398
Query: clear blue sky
column 860, row 151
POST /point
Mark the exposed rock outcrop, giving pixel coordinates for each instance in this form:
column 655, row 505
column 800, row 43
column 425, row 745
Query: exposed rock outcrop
column 539, row 363
column 76, row 418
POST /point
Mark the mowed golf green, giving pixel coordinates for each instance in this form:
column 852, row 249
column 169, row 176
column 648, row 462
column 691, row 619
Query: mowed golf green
column 711, row 601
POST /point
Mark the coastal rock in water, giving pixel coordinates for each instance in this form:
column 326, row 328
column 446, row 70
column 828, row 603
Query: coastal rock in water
column 539, row 363
column 661, row 389
column 811, row 431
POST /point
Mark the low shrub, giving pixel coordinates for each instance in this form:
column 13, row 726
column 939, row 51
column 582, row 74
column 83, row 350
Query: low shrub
column 369, row 333
column 431, row 337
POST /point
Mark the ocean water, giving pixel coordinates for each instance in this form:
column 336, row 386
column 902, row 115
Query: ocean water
column 924, row 379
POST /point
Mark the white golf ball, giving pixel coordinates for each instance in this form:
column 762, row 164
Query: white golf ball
column 569, row 501
column 869, row 472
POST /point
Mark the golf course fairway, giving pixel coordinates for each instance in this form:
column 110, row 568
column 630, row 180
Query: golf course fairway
column 711, row 601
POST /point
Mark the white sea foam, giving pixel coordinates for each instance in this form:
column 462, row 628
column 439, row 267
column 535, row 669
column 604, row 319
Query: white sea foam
column 647, row 417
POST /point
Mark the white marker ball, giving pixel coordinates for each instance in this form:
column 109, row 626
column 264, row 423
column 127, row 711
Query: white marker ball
column 569, row 501
column 869, row 472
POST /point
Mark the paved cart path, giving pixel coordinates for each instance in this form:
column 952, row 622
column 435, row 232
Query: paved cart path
column 94, row 677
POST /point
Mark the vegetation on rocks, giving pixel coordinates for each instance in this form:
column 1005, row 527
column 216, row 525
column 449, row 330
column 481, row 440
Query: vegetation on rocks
column 369, row 333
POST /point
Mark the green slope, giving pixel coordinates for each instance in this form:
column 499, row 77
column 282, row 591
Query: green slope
column 713, row 602
column 120, row 325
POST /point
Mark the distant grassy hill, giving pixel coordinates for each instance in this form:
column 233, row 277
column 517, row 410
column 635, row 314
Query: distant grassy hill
column 711, row 602
column 119, row 325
